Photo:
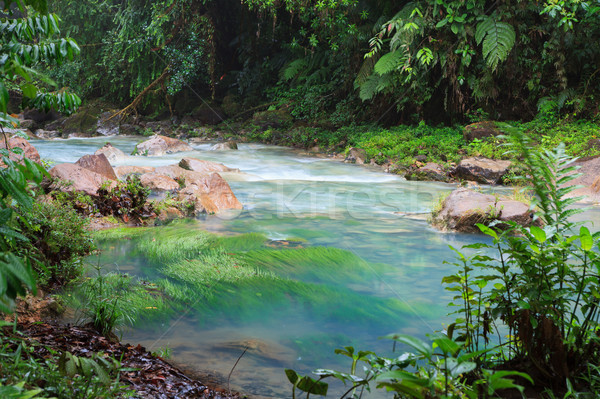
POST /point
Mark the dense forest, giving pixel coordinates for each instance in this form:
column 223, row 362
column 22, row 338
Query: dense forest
column 339, row 62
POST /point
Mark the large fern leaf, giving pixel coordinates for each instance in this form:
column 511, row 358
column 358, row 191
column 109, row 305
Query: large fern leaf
column 389, row 62
column 368, row 88
column 498, row 40
column 291, row 70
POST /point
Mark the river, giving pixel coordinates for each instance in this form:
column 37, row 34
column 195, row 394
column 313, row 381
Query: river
column 380, row 218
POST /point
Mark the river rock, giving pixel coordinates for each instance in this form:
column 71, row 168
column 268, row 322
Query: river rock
column 113, row 154
column 356, row 155
column 82, row 123
column 29, row 150
column 200, row 165
column 47, row 134
column 211, row 192
column 123, row 171
column 159, row 145
column 158, row 182
column 99, row 164
column 169, row 213
column 480, row 130
column 71, row 177
column 481, row 170
column 588, row 180
column 228, row 145
column 430, row 172
column 107, row 124
column 464, row 208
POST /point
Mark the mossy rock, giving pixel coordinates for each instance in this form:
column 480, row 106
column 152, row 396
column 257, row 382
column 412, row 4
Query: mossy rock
column 84, row 121
column 231, row 105
column 272, row 119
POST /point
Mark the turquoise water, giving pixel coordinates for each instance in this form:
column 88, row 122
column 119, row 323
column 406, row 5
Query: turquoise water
column 380, row 218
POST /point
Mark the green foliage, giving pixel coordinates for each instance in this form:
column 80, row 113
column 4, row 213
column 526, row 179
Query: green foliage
column 58, row 240
column 16, row 198
column 26, row 374
column 26, row 42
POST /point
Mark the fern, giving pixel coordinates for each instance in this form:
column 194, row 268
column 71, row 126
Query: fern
column 498, row 40
column 368, row 89
column 292, row 69
column 389, row 62
column 365, row 71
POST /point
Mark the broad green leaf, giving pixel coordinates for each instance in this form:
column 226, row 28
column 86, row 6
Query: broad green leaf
column 586, row 239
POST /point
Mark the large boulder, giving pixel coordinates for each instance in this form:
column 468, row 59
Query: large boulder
column 588, row 180
column 158, row 182
column 159, row 145
column 71, row 177
column 29, row 150
column 430, row 172
column 480, row 130
column 99, row 164
column 356, row 155
column 113, row 154
column 123, row 171
column 228, row 145
column 464, row 208
column 200, row 165
column 482, row 170
column 82, row 123
column 210, row 192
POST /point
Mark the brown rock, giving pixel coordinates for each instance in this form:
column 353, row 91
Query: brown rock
column 123, row 171
column 158, row 182
column 480, row 130
column 73, row 177
column 113, row 154
column 159, row 145
column 98, row 164
column 199, row 165
column 430, row 172
column 228, row 145
column 356, row 155
column 212, row 192
column 170, row 213
column 29, row 151
column 47, row 134
column 481, row 170
column 464, row 208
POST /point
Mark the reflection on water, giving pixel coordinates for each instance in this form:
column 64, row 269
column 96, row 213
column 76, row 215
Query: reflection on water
column 378, row 217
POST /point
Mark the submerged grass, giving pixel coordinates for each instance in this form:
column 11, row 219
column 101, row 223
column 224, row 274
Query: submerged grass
column 315, row 264
column 241, row 243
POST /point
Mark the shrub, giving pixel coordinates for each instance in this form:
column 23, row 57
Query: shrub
column 58, row 240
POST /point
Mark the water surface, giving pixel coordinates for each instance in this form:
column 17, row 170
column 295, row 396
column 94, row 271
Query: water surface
column 379, row 217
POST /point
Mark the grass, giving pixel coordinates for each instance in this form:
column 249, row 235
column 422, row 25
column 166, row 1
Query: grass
column 315, row 264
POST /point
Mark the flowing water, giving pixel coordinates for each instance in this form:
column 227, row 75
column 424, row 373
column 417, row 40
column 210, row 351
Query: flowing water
column 381, row 218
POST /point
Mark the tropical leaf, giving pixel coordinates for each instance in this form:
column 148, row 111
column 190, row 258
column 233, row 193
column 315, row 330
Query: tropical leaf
column 498, row 39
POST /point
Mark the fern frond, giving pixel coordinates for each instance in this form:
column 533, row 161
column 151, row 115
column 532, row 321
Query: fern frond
column 389, row 62
column 365, row 71
column 498, row 39
column 368, row 89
